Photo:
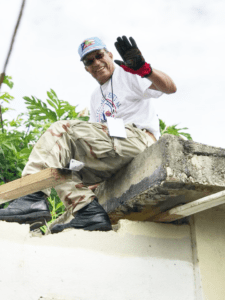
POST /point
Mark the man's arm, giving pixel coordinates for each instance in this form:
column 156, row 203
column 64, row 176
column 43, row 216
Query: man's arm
column 134, row 63
column 161, row 82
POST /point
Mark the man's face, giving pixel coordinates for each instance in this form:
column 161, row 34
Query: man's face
column 101, row 67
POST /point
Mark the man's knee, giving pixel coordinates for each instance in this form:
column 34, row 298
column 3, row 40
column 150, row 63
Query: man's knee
column 58, row 128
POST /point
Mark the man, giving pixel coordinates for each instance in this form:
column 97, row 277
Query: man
column 104, row 144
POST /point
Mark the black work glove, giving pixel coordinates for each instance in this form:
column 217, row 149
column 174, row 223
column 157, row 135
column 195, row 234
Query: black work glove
column 133, row 61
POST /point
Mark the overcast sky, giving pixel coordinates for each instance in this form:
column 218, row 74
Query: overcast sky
column 184, row 39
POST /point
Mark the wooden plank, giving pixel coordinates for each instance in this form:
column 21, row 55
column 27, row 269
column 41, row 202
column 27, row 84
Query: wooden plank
column 191, row 208
column 32, row 183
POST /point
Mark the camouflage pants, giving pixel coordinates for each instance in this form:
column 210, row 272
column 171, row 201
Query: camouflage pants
column 90, row 143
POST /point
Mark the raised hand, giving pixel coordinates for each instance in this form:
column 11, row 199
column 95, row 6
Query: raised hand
column 133, row 61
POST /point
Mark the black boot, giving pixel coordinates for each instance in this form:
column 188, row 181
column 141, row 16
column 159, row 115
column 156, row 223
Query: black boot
column 91, row 217
column 30, row 209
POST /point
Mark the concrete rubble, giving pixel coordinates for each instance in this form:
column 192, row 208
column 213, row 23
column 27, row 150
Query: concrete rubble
column 171, row 172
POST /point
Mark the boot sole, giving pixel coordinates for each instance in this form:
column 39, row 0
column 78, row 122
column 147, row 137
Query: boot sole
column 35, row 220
column 96, row 227
column 58, row 228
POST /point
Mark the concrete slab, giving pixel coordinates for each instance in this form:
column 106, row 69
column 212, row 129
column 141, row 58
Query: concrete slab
column 171, row 172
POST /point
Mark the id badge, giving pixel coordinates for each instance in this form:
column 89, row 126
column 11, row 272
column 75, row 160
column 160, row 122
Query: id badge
column 116, row 127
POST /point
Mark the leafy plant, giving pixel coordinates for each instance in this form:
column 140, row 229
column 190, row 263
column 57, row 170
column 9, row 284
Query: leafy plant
column 56, row 206
column 6, row 97
column 14, row 148
column 173, row 130
column 62, row 110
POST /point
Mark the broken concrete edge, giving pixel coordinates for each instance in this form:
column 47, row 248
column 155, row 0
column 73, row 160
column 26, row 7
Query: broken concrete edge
column 167, row 169
column 158, row 176
column 21, row 232
column 200, row 149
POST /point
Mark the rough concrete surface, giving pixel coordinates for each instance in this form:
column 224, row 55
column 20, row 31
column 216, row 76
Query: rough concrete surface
column 171, row 172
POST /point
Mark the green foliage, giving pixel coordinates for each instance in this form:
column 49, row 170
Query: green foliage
column 6, row 97
column 57, row 208
column 60, row 109
column 173, row 130
column 14, row 153
column 14, row 144
column 38, row 110
column 7, row 80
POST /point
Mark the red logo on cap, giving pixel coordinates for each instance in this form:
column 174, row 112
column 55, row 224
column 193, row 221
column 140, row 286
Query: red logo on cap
column 87, row 43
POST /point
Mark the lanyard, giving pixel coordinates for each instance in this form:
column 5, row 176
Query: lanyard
column 112, row 95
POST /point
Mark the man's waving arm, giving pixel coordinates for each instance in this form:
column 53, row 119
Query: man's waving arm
column 161, row 82
column 133, row 62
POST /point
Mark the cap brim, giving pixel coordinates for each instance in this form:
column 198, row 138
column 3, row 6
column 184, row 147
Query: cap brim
column 92, row 50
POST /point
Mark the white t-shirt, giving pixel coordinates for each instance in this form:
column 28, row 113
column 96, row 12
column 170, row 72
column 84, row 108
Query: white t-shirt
column 131, row 101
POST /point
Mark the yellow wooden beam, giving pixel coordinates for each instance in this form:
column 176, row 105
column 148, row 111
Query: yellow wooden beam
column 32, row 183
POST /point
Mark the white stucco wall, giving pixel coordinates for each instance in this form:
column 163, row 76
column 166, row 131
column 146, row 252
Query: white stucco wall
column 140, row 261
column 210, row 239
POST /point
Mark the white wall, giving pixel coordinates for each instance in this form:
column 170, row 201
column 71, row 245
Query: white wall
column 210, row 239
column 140, row 261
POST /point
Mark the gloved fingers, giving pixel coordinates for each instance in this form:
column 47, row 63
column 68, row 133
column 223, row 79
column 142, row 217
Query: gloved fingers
column 121, row 43
column 119, row 62
column 133, row 43
column 119, row 49
column 130, row 53
column 126, row 42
